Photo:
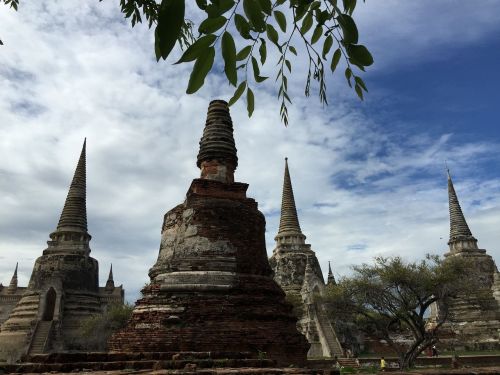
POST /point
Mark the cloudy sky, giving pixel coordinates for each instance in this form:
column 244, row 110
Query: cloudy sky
column 368, row 176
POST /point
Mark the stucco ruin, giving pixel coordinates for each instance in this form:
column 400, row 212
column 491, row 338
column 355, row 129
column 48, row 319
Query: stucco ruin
column 297, row 271
column 211, row 287
column 63, row 288
column 474, row 320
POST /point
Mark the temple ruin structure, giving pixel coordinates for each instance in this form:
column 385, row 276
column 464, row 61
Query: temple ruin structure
column 211, row 287
column 297, row 271
column 10, row 296
column 63, row 288
column 473, row 322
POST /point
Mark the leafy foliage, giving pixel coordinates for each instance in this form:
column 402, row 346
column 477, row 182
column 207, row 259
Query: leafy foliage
column 245, row 29
column 14, row 4
column 96, row 330
column 256, row 22
column 392, row 297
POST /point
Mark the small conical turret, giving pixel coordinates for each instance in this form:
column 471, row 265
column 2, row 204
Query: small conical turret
column 289, row 221
column 217, row 157
column 110, row 283
column 331, row 278
column 13, row 282
column 74, row 213
column 461, row 237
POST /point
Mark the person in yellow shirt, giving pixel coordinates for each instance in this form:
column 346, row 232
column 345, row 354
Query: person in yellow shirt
column 382, row 364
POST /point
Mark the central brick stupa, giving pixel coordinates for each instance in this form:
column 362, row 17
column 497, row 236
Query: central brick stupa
column 211, row 288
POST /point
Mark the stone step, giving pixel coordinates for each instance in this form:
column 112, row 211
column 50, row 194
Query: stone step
column 328, row 331
column 156, row 365
column 131, row 357
column 40, row 337
column 348, row 362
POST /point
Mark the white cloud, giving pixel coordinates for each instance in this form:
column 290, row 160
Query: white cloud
column 70, row 71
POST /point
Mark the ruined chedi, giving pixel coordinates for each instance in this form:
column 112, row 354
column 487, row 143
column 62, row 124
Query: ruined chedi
column 473, row 321
column 211, row 288
column 297, row 271
column 63, row 288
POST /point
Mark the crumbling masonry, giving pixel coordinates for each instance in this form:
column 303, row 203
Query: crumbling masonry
column 63, row 288
column 297, row 271
column 211, row 288
column 474, row 321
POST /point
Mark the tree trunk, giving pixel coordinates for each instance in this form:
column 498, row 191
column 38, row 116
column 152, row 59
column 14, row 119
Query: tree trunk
column 407, row 360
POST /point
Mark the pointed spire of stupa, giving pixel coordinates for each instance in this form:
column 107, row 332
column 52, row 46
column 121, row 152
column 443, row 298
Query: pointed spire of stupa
column 217, row 157
column 13, row 281
column 459, row 230
column 289, row 221
column 110, row 283
column 331, row 278
column 74, row 213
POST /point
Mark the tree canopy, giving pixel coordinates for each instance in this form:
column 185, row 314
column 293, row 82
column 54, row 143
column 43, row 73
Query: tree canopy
column 391, row 298
column 243, row 31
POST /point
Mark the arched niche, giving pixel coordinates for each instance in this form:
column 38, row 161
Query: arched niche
column 50, row 305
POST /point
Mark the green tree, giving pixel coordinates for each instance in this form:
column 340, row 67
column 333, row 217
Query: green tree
column 242, row 31
column 97, row 329
column 392, row 297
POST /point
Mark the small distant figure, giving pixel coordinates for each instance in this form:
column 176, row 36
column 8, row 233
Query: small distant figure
column 348, row 353
column 455, row 363
column 434, row 351
column 336, row 363
column 382, row 364
column 357, row 362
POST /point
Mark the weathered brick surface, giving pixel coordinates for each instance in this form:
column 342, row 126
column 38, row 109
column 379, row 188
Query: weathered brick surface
column 216, row 229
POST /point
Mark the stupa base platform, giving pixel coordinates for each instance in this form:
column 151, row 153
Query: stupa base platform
column 151, row 363
column 252, row 318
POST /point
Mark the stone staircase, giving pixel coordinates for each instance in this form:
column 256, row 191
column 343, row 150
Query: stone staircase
column 324, row 324
column 348, row 362
column 40, row 337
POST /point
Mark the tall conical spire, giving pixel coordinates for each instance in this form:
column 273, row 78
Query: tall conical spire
column 13, row 281
column 460, row 234
column 289, row 221
column 217, row 157
column 74, row 213
column 110, row 283
column 331, row 278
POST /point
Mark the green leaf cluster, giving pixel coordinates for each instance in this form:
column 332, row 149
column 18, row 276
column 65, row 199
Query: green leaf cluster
column 328, row 34
column 13, row 4
column 319, row 25
column 325, row 30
